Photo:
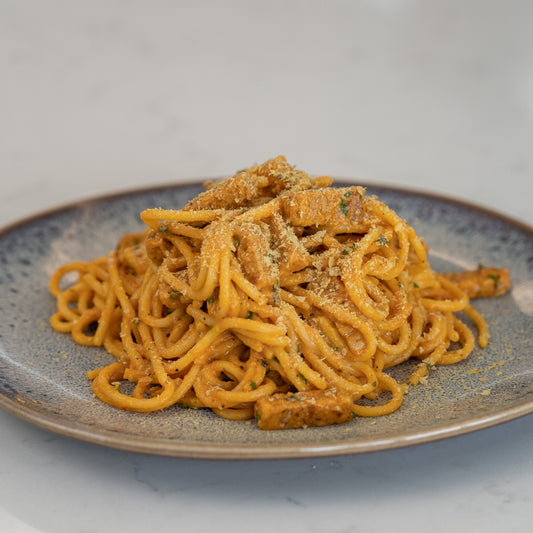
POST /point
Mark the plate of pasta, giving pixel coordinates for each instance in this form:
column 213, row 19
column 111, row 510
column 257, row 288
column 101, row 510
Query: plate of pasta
column 267, row 314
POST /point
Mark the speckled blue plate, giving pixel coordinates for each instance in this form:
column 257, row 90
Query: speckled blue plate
column 43, row 373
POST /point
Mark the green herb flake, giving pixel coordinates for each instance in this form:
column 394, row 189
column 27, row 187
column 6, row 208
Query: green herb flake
column 174, row 295
column 375, row 384
column 253, row 384
column 211, row 299
column 415, row 285
column 345, row 252
column 382, row 240
column 136, row 321
column 250, row 315
column 237, row 241
column 495, row 278
column 275, row 292
column 343, row 207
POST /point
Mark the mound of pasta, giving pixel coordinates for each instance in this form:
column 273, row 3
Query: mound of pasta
column 271, row 295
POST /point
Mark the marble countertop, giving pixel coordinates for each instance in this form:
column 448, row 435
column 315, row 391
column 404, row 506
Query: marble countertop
column 98, row 97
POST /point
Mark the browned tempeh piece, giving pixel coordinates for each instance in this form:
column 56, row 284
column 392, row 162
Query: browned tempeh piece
column 340, row 208
column 251, row 185
column 483, row 282
column 293, row 256
column 304, row 409
column 230, row 193
column 254, row 255
column 282, row 176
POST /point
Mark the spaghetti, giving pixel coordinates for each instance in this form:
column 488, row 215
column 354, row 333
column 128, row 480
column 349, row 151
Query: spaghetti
column 270, row 295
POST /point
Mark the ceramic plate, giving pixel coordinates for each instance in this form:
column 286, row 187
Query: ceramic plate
column 43, row 373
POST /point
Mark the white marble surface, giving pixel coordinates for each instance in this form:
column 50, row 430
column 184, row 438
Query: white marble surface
column 100, row 96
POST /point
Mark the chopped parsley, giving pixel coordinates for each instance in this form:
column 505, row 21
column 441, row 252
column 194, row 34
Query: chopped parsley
column 495, row 278
column 275, row 291
column 343, row 207
column 382, row 240
column 163, row 228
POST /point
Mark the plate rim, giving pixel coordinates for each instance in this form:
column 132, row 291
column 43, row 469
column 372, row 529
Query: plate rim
column 199, row 450
column 242, row 452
